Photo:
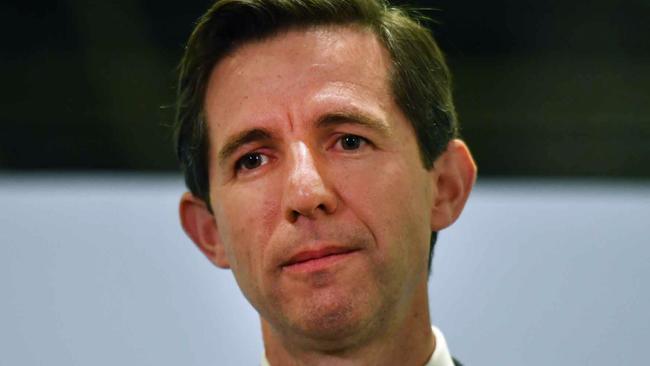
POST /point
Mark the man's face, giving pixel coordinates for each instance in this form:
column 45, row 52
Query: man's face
column 321, row 201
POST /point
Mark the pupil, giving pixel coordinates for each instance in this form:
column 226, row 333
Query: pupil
column 252, row 161
column 351, row 142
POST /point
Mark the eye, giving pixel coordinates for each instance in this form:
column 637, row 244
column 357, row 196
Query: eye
column 251, row 161
column 351, row 142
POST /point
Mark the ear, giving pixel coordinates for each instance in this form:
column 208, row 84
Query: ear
column 454, row 174
column 200, row 225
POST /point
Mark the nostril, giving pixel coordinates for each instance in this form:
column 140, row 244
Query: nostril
column 293, row 216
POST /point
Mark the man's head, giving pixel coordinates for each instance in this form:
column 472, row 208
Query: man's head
column 317, row 142
column 418, row 75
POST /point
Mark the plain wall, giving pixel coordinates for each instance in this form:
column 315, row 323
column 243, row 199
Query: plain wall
column 95, row 270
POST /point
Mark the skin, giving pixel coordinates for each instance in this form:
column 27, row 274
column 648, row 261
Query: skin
column 309, row 152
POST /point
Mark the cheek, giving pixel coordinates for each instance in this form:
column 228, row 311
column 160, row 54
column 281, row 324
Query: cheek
column 245, row 220
column 388, row 188
column 393, row 202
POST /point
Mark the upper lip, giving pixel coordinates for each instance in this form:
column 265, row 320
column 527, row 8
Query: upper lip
column 315, row 253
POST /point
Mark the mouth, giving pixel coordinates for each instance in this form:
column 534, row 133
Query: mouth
column 317, row 260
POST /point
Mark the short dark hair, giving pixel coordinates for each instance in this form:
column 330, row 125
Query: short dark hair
column 419, row 77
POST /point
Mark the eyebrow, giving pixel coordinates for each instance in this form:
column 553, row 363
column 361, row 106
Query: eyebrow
column 241, row 139
column 355, row 118
column 326, row 121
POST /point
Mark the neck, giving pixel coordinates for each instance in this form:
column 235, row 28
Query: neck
column 407, row 340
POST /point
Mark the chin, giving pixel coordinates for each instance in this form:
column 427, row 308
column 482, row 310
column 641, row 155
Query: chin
column 339, row 319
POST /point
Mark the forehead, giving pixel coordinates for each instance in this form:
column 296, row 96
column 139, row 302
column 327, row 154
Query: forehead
column 295, row 71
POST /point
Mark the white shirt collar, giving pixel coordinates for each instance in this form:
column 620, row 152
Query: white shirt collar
column 439, row 357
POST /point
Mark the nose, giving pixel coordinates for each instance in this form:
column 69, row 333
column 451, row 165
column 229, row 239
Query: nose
column 306, row 193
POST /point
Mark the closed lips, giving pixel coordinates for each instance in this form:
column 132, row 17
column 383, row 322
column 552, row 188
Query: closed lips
column 308, row 255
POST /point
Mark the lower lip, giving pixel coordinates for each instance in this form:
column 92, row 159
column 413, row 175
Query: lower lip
column 318, row 264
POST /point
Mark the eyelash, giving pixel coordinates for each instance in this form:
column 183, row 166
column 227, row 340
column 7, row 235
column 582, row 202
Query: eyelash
column 341, row 139
column 239, row 164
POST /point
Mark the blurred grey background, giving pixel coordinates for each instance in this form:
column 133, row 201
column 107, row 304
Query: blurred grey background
column 549, row 265
column 95, row 270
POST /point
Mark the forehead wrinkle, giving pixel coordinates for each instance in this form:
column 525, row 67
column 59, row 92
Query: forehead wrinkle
column 239, row 64
column 356, row 103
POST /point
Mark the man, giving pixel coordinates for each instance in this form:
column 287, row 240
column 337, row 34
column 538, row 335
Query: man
column 318, row 140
